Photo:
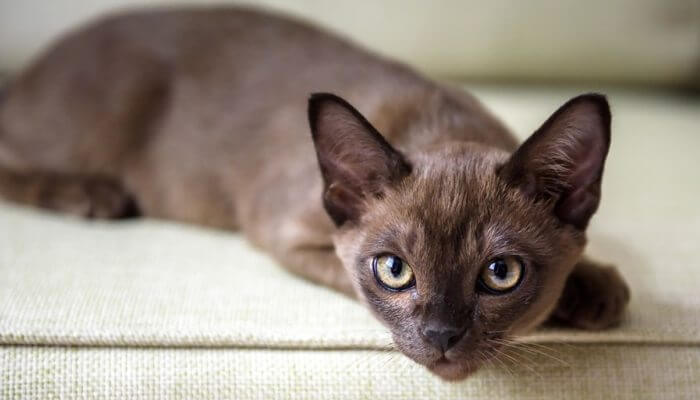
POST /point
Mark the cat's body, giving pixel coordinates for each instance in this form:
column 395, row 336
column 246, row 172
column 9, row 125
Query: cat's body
column 199, row 116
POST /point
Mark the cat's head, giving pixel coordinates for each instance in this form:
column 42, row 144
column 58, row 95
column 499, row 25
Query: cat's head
column 460, row 246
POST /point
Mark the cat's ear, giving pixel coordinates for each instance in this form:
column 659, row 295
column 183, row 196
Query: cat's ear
column 563, row 160
column 356, row 161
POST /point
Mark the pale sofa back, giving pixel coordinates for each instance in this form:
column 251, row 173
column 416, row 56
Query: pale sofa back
column 631, row 41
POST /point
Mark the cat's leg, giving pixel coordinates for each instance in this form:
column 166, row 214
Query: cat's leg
column 91, row 197
column 595, row 297
column 320, row 265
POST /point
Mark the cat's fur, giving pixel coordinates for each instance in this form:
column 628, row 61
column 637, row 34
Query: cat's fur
column 200, row 115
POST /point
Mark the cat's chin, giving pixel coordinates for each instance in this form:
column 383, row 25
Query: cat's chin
column 452, row 370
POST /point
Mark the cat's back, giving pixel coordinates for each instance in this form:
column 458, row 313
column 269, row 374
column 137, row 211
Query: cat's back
column 187, row 104
column 219, row 72
column 244, row 51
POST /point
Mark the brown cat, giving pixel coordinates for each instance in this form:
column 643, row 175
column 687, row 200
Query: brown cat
column 450, row 233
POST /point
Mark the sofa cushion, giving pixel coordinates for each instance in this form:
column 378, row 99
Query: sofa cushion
column 148, row 307
column 593, row 371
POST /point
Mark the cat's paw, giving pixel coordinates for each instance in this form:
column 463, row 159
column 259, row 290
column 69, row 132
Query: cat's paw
column 595, row 297
column 89, row 198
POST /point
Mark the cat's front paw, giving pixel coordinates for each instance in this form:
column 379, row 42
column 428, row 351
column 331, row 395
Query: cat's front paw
column 595, row 297
column 86, row 197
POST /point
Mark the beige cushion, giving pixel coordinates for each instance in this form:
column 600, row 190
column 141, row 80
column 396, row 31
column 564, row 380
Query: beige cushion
column 155, row 309
column 640, row 41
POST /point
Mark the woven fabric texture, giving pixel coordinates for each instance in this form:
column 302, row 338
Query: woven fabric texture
column 153, row 309
column 566, row 372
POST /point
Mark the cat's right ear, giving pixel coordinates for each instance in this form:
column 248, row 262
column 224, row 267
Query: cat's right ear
column 356, row 162
column 563, row 160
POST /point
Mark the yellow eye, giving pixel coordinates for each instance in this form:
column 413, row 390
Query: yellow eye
column 502, row 274
column 392, row 272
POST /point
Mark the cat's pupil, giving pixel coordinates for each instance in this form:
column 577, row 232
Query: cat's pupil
column 500, row 269
column 395, row 266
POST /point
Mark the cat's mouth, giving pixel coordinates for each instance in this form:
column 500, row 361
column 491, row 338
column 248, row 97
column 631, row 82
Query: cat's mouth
column 460, row 367
column 453, row 370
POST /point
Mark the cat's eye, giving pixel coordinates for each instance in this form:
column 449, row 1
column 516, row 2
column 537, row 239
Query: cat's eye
column 502, row 274
column 392, row 272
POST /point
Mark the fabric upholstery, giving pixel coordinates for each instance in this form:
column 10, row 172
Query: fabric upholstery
column 154, row 309
column 584, row 372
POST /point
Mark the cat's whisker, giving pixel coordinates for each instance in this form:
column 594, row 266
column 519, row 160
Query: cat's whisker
column 563, row 344
column 403, row 364
column 383, row 360
column 386, row 347
column 541, row 351
column 378, row 354
column 547, row 350
column 529, row 364
column 542, row 345
column 487, row 360
column 372, row 356
column 516, row 361
column 499, row 353
column 523, row 348
column 480, row 357
column 392, row 357
column 502, row 363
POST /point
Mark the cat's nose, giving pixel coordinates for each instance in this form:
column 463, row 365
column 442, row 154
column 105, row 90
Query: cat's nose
column 441, row 336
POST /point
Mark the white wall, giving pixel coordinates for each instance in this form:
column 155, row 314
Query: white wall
column 650, row 41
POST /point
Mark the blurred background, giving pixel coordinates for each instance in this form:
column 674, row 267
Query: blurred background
column 628, row 42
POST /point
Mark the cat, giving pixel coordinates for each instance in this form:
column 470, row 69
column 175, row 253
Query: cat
column 404, row 193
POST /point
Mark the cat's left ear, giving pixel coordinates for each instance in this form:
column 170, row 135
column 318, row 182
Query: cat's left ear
column 563, row 160
column 356, row 162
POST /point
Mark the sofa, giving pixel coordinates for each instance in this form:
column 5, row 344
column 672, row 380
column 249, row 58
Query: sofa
column 150, row 309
